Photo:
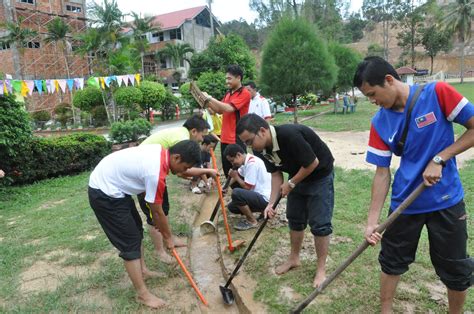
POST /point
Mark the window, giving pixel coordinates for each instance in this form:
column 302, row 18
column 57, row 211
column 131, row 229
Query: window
column 28, row 1
column 4, row 46
column 163, row 63
column 73, row 8
column 159, row 36
column 175, row 33
column 33, row 45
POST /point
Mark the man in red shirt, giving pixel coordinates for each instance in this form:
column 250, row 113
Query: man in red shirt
column 233, row 106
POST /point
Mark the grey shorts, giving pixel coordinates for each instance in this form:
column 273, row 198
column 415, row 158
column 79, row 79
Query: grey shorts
column 242, row 197
column 312, row 203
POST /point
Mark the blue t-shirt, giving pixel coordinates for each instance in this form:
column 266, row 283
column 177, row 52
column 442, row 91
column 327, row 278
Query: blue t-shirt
column 430, row 131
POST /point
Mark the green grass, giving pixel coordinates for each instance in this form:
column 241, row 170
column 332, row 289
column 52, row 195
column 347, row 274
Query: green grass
column 55, row 215
column 356, row 289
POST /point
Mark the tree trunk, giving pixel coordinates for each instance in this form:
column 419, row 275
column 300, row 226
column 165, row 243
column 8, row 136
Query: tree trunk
column 385, row 28
column 68, row 75
column 295, row 113
column 432, row 62
column 142, row 56
column 463, row 43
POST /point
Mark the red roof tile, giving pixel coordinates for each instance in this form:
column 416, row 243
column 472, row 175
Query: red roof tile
column 175, row 19
column 405, row 70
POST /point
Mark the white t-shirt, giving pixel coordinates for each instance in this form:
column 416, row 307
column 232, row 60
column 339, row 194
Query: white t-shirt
column 259, row 105
column 133, row 171
column 255, row 174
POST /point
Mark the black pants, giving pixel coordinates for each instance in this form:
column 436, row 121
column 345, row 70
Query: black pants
column 226, row 165
column 447, row 234
column 242, row 197
column 146, row 210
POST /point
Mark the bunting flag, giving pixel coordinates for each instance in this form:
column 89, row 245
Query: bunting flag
column 50, row 86
column 62, row 84
column 93, row 81
column 131, row 77
column 2, row 88
column 9, row 87
column 39, row 86
column 109, row 79
column 70, row 84
column 102, row 83
column 31, row 86
column 137, row 78
column 79, row 83
column 24, row 89
column 16, row 84
column 56, row 85
column 120, row 80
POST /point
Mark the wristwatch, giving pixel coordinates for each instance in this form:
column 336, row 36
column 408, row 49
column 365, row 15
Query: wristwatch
column 439, row 160
column 291, row 184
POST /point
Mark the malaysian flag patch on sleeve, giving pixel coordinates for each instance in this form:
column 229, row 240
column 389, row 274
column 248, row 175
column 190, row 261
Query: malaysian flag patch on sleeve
column 425, row 120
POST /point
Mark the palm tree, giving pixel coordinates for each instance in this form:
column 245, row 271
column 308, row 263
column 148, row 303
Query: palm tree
column 108, row 20
column 457, row 19
column 141, row 26
column 177, row 53
column 18, row 38
column 57, row 34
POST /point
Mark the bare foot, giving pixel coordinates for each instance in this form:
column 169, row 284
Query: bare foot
column 165, row 257
column 151, row 300
column 152, row 274
column 318, row 279
column 178, row 242
column 286, row 266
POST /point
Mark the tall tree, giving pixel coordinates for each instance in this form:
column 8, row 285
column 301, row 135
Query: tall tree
column 458, row 19
column 107, row 18
column 434, row 41
column 309, row 69
column 346, row 60
column 271, row 11
column 411, row 19
column 18, row 38
column 249, row 32
column 141, row 26
column 327, row 15
column 353, row 29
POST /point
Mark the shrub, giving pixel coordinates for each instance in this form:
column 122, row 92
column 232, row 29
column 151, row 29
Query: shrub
column 128, row 96
column 42, row 158
column 153, row 94
column 63, row 113
column 99, row 115
column 41, row 116
column 87, row 99
column 129, row 131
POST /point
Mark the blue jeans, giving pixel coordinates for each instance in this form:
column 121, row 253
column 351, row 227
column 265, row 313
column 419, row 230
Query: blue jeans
column 312, row 203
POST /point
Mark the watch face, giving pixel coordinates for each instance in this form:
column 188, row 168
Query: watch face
column 437, row 160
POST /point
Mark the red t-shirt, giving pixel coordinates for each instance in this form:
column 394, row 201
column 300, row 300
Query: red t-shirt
column 240, row 100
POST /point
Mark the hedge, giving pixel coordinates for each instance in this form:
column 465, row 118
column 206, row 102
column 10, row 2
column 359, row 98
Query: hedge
column 42, row 158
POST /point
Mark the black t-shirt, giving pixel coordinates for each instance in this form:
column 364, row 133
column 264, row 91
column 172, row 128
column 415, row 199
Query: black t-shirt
column 299, row 146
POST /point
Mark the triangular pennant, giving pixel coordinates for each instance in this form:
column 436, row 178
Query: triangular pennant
column 70, row 84
column 31, row 86
column 50, row 85
column 16, row 84
column 45, row 87
column 131, row 77
column 137, row 78
column 108, row 81
column 93, row 81
column 79, row 83
column 39, row 86
column 9, row 87
column 102, row 83
column 24, row 89
column 62, row 84
column 120, row 80
column 56, row 85
column 2, row 88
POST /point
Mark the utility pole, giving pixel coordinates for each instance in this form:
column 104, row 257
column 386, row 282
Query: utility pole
column 209, row 3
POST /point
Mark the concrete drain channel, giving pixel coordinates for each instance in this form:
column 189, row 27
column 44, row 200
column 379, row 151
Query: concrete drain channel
column 211, row 266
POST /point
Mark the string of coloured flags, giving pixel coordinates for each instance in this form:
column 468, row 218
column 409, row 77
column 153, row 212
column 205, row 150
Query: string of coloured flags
column 27, row 87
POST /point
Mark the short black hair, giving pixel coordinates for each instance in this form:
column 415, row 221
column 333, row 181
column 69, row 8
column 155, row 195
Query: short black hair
column 189, row 151
column 251, row 123
column 373, row 71
column 232, row 150
column 196, row 122
column 235, row 70
column 251, row 84
column 208, row 139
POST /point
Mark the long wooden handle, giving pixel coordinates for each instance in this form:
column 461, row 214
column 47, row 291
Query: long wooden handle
column 188, row 275
column 221, row 199
column 197, row 94
column 214, row 212
column 380, row 229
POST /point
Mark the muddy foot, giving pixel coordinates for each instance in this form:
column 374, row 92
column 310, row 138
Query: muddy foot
column 287, row 266
column 318, row 279
column 147, row 274
column 165, row 257
column 151, row 301
column 178, row 242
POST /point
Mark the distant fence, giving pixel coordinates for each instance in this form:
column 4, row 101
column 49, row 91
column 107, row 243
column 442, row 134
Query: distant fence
column 446, row 77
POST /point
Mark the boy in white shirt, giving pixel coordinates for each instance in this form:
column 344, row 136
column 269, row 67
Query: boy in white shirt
column 255, row 185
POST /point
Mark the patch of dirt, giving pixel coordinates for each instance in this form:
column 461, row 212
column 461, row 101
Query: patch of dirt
column 35, row 242
column 349, row 150
column 437, row 292
column 11, row 223
column 340, row 239
column 289, row 294
column 1, row 239
column 408, row 288
column 408, row 308
column 51, row 204
column 96, row 298
column 88, row 237
column 47, row 273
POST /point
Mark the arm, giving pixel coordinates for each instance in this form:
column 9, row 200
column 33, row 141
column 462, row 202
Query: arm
column 299, row 176
column 380, row 187
column 161, row 223
column 218, row 106
column 277, row 181
column 197, row 172
column 433, row 172
column 234, row 174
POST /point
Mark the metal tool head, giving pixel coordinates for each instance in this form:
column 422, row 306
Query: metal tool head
column 227, row 295
column 207, row 227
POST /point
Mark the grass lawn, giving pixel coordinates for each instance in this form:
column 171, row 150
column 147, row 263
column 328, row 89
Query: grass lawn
column 49, row 227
